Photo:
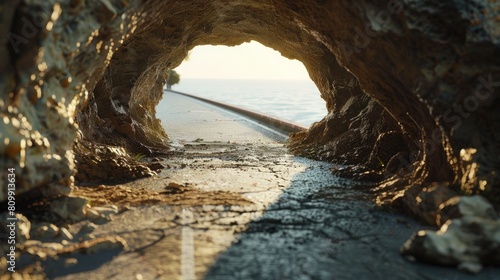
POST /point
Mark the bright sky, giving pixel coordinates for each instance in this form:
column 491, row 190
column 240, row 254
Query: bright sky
column 247, row 61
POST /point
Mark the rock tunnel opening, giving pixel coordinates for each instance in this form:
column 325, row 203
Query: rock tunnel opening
column 82, row 80
column 254, row 77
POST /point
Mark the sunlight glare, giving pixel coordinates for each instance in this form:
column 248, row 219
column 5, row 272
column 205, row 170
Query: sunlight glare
column 246, row 61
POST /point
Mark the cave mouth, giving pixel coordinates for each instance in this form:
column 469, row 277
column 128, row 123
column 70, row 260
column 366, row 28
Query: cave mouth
column 254, row 77
column 354, row 131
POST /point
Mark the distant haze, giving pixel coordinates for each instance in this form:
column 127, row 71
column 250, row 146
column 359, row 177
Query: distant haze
column 247, row 61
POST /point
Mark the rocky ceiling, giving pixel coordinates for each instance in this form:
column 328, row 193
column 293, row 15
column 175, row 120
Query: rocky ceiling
column 411, row 86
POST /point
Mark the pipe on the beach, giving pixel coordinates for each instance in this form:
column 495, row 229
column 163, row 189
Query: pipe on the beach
column 281, row 125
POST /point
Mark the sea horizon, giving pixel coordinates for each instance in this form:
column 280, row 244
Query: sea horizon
column 288, row 99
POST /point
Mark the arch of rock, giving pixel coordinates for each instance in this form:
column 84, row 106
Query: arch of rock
column 411, row 86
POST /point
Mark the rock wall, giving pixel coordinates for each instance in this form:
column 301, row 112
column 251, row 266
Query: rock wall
column 411, row 86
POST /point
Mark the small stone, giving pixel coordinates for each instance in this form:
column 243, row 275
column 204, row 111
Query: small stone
column 459, row 206
column 156, row 166
column 470, row 267
column 86, row 228
column 44, row 230
column 106, row 211
column 467, row 242
column 70, row 262
column 93, row 215
column 52, row 246
column 65, row 234
column 97, row 245
column 423, row 202
column 86, row 237
column 32, row 242
column 69, row 208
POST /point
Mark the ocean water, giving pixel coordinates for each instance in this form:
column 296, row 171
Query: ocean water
column 293, row 100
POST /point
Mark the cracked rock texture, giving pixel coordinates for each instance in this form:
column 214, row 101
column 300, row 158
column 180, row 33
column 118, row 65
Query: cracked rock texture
column 411, row 86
